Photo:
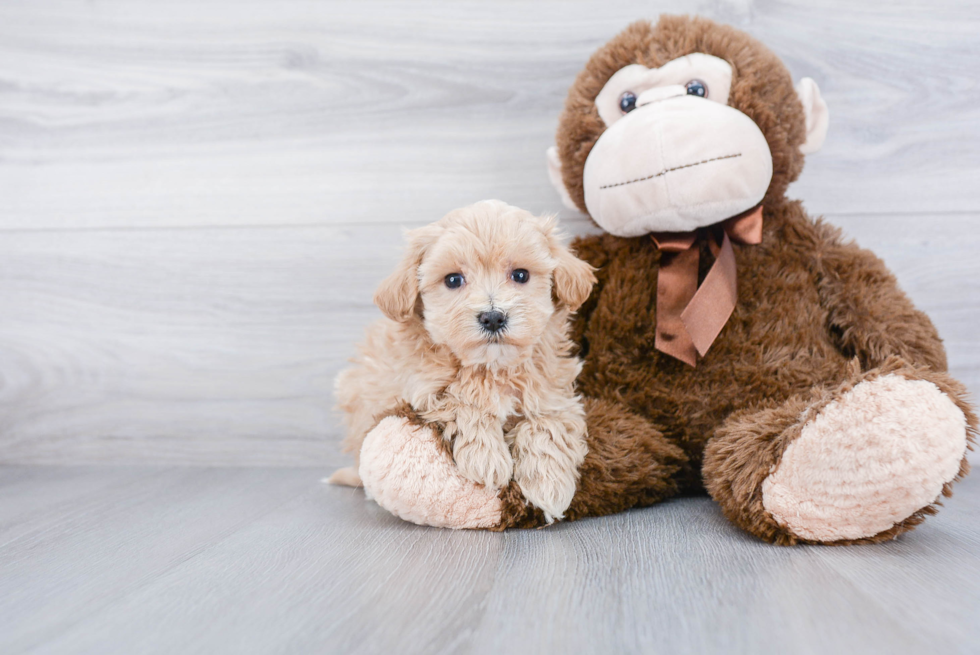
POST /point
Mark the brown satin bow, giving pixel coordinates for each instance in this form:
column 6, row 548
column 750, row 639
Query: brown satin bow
column 689, row 318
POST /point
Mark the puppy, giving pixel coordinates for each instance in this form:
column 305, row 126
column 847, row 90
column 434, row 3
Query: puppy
column 475, row 339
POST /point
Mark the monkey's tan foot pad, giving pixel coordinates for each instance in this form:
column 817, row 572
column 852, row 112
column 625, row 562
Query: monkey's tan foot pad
column 407, row 472
column 869, row 460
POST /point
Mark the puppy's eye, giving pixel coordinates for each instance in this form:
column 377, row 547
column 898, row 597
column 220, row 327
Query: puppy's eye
column 520, row 275
column 454, row 280
column 697, row 88
column 627, row 102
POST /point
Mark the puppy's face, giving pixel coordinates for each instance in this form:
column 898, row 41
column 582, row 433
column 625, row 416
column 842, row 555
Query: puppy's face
column 487, row 276
column 486, row 287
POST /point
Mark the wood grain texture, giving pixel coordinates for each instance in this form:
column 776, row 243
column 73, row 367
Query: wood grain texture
column 221, row 345
column 135, row 113
column 198, row 198
column 272, row 561
column 181, row 346
column 128, row 526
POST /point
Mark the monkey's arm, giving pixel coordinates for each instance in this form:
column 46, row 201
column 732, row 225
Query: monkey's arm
column 869, row 317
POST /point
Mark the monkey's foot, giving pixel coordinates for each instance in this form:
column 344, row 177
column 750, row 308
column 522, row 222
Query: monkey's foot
column 876, row 456
column 408, row 472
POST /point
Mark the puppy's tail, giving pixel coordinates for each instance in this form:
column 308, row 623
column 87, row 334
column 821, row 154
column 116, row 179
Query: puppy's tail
column 347, row 477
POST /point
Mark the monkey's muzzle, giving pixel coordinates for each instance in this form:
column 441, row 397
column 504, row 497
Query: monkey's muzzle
column 675, row 165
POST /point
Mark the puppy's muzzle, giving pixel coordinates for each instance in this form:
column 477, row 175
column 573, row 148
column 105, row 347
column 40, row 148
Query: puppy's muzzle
column 492, row 321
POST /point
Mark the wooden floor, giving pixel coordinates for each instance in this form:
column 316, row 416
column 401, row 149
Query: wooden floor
column 225, row 560
column 197, row 198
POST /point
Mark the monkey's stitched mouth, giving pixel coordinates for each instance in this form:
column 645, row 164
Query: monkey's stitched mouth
column 670, row 170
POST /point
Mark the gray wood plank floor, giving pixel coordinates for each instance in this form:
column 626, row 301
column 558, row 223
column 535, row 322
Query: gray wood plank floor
column 204, row 560
column 196, row 201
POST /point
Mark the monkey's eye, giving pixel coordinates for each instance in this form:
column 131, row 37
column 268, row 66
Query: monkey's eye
column 697, row 88
column 520, row 275
column 454, row 280
column 627, row 102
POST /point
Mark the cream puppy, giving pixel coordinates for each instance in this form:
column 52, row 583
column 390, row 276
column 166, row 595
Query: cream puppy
column 475, row 339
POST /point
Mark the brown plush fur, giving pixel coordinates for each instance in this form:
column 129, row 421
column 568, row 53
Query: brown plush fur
column 629, row 464
column 751, row 442
column 761, row 88
column 815, row 316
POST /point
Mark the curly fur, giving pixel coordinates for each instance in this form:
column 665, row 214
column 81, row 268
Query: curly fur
column 816, row 316
column 431, row 351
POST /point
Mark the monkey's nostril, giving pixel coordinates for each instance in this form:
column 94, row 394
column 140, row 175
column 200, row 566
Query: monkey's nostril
column 492, row 321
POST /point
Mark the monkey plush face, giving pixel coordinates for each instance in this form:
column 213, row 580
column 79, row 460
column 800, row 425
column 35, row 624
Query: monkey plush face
column 653, row 142
column 674, row 156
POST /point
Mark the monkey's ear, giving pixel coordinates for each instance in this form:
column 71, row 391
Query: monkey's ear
column 397, row 294
column 554, row 174
column 817, row 115
column 573, row 278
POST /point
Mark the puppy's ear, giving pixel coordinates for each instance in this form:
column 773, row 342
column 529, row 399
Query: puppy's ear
column 397, row 294
column 573, row 277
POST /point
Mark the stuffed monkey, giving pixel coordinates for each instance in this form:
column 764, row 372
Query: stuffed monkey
column 733, row 344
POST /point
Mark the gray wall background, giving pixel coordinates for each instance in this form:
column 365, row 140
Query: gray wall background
column 198, row 198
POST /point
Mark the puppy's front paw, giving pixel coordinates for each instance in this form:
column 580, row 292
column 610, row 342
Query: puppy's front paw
column 548, row 452
column 546, row 484
column 487, row 462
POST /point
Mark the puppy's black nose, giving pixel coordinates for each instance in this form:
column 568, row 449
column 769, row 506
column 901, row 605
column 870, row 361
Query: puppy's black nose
column 492, row 322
